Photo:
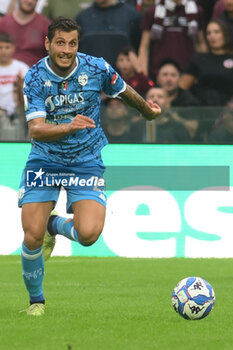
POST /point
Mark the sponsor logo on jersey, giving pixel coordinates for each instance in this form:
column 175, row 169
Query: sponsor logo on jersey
column 83, row 79
column 52, row 102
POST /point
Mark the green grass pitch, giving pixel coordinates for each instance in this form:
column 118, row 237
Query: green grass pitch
column 114, row 303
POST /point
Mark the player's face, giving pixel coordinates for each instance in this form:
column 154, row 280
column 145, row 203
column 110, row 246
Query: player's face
column 6, row 53
column 168, row 78
column 214, row 36
column 62, row 51
column 27, row 6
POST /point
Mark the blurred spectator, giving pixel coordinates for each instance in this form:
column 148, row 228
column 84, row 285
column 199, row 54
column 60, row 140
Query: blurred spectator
column 28, row 29
column 55, row 8
column 8, row 6
column 168, row 78
column 223, row 131
column 12, row 74
column 213, row 71
column 171, row 28
column 117, row 123
column 227, row 16
column 106, row 26
column 166, row 128
column 127, row 65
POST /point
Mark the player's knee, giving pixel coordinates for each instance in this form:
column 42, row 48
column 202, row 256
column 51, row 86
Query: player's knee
column 89, row 234
column 33, row 238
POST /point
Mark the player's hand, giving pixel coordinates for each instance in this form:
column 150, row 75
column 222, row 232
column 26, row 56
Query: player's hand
column 155, row 110
column 81, row 122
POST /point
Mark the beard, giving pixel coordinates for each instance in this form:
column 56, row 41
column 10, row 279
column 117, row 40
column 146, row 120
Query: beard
column 63, row 69
column 27, row 11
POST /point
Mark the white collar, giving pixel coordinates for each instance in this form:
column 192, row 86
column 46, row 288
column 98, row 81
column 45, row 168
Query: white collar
column 57, row 75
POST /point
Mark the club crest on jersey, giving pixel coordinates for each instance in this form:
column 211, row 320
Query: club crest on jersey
column 64, row 85
column 83, row 79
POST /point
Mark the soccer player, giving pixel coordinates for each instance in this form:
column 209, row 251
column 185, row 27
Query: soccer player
column 62, row 102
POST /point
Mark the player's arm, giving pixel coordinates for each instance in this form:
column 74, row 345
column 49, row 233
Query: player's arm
column 149, row 110
column 39, row 130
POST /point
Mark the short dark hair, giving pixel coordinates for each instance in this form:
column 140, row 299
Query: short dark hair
column 64, row 24
column 171, row 62
column 6, row 38
column 125, row 50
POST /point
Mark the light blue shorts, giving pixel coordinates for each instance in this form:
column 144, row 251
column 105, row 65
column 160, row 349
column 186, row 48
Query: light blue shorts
column 42, row 182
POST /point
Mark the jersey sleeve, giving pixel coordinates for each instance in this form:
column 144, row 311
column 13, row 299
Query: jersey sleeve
column 33, row 97
column 111, row 82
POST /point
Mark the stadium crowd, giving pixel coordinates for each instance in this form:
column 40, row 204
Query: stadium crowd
column 177, row 53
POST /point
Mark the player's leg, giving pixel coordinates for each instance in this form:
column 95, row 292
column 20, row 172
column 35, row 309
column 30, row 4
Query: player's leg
column 88, row 205
column 49, row 242
column 86, row 225
column 88, row 221
column 34, row 221
column 29, row 194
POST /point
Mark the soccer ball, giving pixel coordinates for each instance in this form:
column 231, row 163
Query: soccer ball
column 193, row 298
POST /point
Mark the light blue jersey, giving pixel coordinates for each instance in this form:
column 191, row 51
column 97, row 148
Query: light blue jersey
column 59, row 99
